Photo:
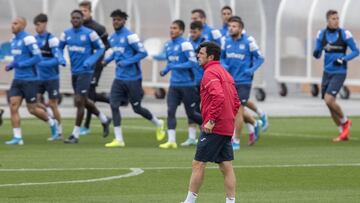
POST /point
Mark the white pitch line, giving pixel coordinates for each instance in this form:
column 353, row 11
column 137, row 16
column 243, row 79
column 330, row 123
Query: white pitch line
column 138, row 171
column 183, row 167
column 134, row 172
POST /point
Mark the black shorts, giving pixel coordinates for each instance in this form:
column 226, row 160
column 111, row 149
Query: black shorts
column 123, row 91
column 49, row 86
column 214, row 148
column 331, row 84
column 24, row 88
column 81, row 84
column 243, row 91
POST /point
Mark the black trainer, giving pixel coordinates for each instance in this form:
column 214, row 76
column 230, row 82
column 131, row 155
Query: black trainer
column 71, row 140
column 106, row 127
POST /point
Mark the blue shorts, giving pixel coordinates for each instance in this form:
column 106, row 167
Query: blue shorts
column 123, row 91
column 51, row 87
column 24, row 88
column 187, row 95
column 331, row 84
column 214, row 148
column 81, row 84
column 243, row 91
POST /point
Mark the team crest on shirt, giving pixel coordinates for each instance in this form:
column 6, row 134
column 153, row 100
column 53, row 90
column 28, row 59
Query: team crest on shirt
column 82, row 37
column 242, row 46
column 122, row 40
column 19, row 43
column 176, row 47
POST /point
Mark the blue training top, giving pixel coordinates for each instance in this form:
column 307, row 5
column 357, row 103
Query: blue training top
column 181, row 61
column 241, row 57
column 26, row 54
column 81, row 43
column 48, row 68
column 198, row 70
column 127, row 51
column 335, row 42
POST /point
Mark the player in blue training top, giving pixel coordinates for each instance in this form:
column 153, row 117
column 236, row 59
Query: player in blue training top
column 127, row 51
column 335, row 41
column 181, row 61
column 209, row 33
column 48, row 68
column 241, row 57
column 85, row 48
column 24, row 85
column 196, row 38
column 226, row 13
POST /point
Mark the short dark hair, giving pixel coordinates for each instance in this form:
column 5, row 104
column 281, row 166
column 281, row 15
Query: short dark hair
column 237, row 19
column 179, row 23
column 119, row 13
column 77, row 11
column 330, row 13
column 196, row 25
column 211, row 49
column 200, row 12
column 42, row 18
column 226, row 8
column 85, row 4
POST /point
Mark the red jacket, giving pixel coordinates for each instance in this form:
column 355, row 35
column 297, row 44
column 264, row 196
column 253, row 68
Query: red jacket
column 219, row 98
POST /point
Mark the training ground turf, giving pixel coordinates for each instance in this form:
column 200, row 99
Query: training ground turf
column 295, row 161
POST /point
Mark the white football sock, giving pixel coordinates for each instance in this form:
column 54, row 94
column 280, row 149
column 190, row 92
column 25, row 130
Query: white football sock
column 118, row 134
column 192, row 132
column 17, row 132
column 251, row 127
column 59, row 129
column 343, row 120
column 171, row 135
column 50, row 112
column 156, row 121
column 230, row 200
column 51, row 121
column 236, row 140
column 76, row 132
column 191, row 197
column 103, row 117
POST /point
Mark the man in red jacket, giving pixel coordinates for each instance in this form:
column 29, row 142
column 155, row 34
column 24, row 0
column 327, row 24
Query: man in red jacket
column 219, row 105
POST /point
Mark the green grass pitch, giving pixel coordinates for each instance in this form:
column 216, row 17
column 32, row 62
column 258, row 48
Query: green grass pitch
column 294, row 161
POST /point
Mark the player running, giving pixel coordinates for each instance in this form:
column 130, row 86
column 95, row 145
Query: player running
column 181, row 61
column 127, row 51
column 335, row 41
column 85, row 48
column 24, row 85
column 48, row 68
column 241, row 57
